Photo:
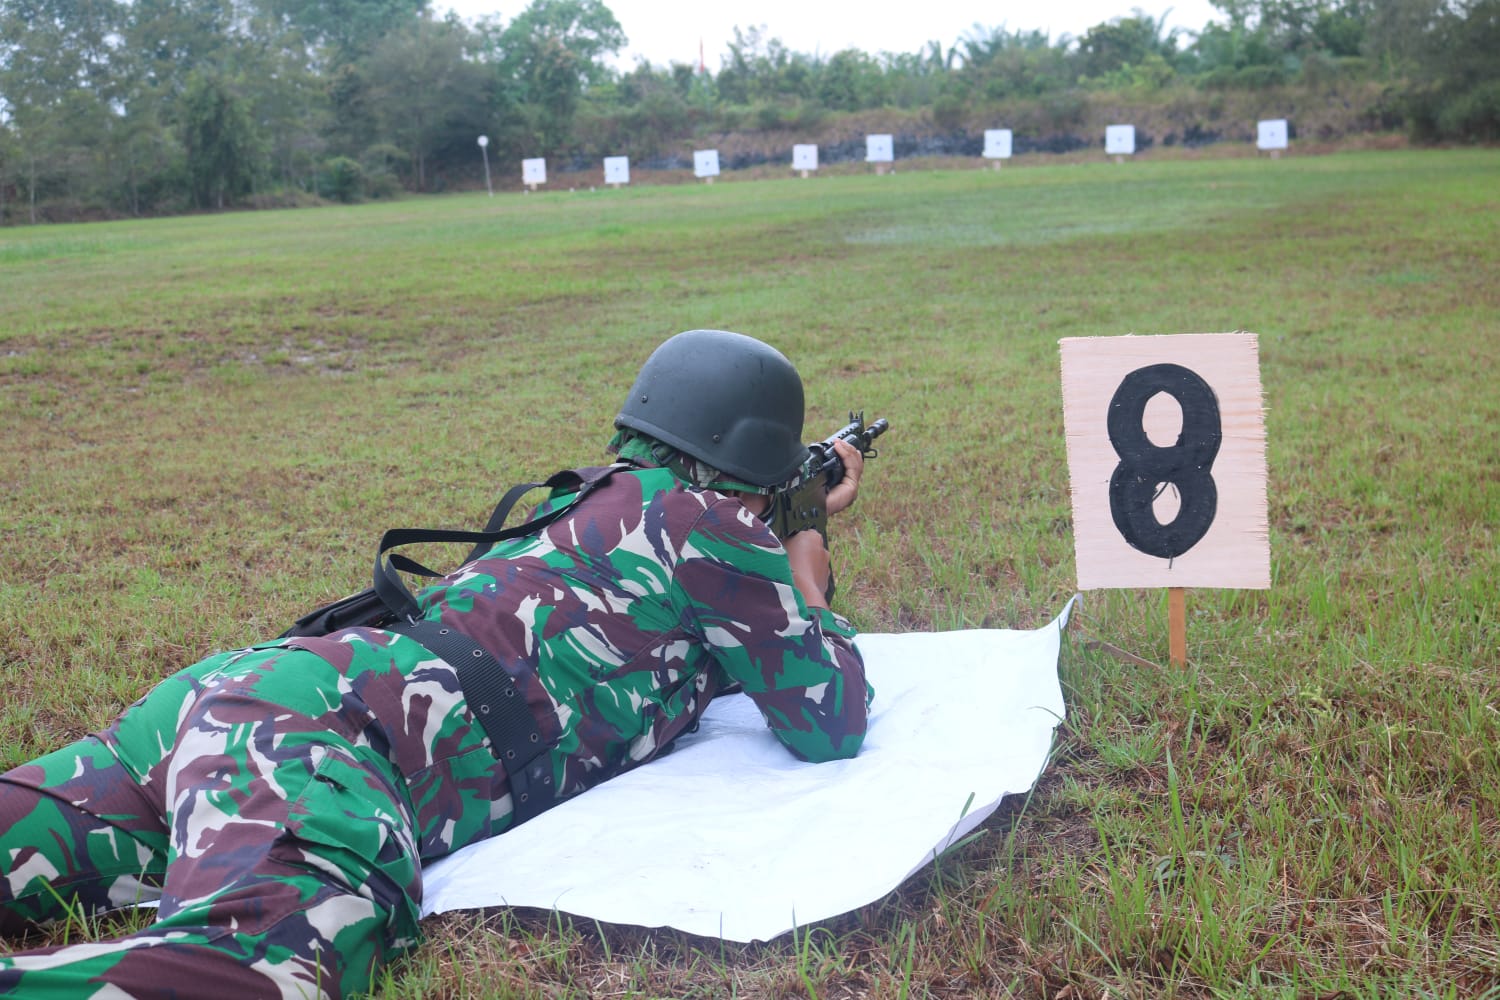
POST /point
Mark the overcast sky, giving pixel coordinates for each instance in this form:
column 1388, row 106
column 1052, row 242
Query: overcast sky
column 665, row 31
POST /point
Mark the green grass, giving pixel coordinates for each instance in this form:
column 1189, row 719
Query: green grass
column 209, row 420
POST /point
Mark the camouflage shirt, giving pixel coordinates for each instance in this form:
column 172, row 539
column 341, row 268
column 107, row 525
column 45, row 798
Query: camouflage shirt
column 621, row 620
column 280, row 799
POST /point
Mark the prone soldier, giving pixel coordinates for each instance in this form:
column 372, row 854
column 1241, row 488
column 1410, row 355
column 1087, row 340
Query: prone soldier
column 279, row 800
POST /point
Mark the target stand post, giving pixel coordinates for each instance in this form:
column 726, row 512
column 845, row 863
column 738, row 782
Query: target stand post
column 1177, row 625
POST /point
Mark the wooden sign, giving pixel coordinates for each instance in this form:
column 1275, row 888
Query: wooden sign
column 1166, row 457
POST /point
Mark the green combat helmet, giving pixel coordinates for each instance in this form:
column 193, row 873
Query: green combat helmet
column 725, row 399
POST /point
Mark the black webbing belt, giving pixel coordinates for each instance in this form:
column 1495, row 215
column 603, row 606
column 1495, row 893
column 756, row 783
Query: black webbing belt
column 501, row 711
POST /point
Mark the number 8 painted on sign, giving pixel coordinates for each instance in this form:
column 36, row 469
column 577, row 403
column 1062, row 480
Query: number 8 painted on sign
column 1145, row 467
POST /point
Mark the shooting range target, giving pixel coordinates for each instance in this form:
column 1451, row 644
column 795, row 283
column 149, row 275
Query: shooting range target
column 1119, row 140
column 705, row 163
column 1166, row 458
column 997, row 143
column 1271, row 134
column 617, row 170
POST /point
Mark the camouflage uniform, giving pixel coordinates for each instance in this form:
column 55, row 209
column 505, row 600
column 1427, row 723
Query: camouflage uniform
column 280, row 800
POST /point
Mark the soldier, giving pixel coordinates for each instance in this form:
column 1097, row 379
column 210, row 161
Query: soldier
column 280, row 800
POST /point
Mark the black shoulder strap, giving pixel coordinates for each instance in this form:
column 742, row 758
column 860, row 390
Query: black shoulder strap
column 388, row 584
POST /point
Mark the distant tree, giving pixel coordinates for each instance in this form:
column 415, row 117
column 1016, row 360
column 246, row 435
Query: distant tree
column 1220, row 51
column 758, row 68
column 851, row 80
column 169, row 39
column 60, row 90
column 1125, row 41
column 1340, row 30
column 917, row 79
column 351, row 125
column 1398, row 33
column 428, row 94
column 149, row 160
column 346, row 29
column 1456, row 91
column 8, row 157
column 998, row 63
column 548, row 57
column 1276, row 36
column 290, row 104
column 219, row 137
column 981, row 45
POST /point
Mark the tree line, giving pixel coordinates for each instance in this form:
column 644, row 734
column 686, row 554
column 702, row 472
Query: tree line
column 139, row 107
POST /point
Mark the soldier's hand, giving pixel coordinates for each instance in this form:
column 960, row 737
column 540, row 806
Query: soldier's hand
column 842, row 496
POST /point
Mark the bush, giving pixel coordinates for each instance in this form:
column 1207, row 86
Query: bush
column 770, row 117
column 948, row 112
column 1258, row 77
column 806, row 115
column 1063, row 110
column 732, row 117
column 384, row 160
column 342, row 179
column 1473, row 116
column 382, row 184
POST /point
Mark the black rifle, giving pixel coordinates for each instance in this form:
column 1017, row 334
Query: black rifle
column 802, row 502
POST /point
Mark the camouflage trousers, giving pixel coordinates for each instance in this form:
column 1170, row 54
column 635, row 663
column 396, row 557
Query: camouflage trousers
column 277, row 801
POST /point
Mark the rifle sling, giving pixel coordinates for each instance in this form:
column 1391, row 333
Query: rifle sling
column 393, row 592
column 489, row 690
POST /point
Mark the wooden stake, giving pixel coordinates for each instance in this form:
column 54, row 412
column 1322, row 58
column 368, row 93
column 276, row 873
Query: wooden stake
column 1177, row 624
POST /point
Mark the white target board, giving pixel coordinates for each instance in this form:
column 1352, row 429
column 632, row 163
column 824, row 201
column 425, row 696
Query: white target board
column 997, row 143
column 534, row 171
column 1167, row 461
column 1271, row 134
column 617, row 170
column 805, row 156
column 1119, row 140
column 705, row 163
column 879, row 149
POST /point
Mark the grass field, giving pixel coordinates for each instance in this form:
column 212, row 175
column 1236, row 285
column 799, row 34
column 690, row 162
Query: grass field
column 207, row 422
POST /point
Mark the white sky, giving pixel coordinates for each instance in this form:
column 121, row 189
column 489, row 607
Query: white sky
column 664, row 31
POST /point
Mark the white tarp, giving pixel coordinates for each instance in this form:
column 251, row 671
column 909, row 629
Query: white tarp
column 730, row 836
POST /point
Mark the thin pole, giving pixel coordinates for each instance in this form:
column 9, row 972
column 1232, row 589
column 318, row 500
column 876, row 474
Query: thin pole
column 1177, row 624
